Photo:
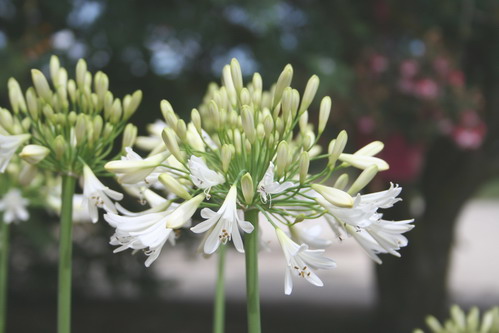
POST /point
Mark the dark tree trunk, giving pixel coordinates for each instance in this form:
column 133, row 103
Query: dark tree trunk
column 411, row 287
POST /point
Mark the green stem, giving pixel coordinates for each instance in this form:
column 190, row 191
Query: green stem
column 65, row 250
column 219, row 313
column 252, row 289
column 4, row 266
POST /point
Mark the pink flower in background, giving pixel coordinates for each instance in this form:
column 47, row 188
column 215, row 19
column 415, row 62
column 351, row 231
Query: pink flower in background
column 427, row 88
column 405, row 159
column 378, row 63
column 409, row 68
column 470, row 132
column 456, row 78
column 441, row 65
column 366, row 125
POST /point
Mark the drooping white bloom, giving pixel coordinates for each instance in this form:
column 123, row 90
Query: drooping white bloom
column 13, row 206
column 382, row 237
column 223, row 224
column 97, row 195
column 364, row 210
column 133, row 169
column 267, row 186
column 202, row 176
column 8, row 147
column 301, row 260
column 149, row 230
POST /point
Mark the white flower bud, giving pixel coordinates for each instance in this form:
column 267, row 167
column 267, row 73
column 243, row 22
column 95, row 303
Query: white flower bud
column 324, row 114
column 237, row 141
column 245, row 97
column 54, row 69
column 248, row 123
column 282, row 158
column 337, row 148
column 196, row 120
column 364, row 178
column 237, row 77
column 41, row 85
column 341, row 182
column 283, row 82
column 364, row 162
column 247, row 188
column 181, row 130
column 214, row 114
column 32, row 104
column 268, row 124
column 260, row 131
column 59, row 146
column 34, row 153
column 132, row 104
column 334, row 196
column 173, row 186
column 16, row 96
column 303, row 122
column 171, row 143
column 226, row 156
column 309, row 94
column 129, row 135
column 116, row 112
column 81, row 73
column 304, row 165
column 370, row 149
column 229, row 85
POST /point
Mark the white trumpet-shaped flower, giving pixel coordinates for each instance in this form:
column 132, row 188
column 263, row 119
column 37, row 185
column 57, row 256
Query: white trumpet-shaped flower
column 97, row 195
column 133, row 169
column 223, row 225
column 149, row 230
column 13, row 206
column 9, row 144
column 364, row 209
column 202, row 176
column 381, row 237
column 267, row 186
column 300, row 260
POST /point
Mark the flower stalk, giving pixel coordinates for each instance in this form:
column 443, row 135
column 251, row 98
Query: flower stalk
column 4, row 266
column 65, row 254
column 252, row 285
column 219, row 311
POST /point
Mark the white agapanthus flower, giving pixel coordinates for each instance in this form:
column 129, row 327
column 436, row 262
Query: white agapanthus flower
column 267, row 186
column 9, row 144
column 149, row 230
column 202, row 176
column 97, row 195
column 310, row 236
column 13, row 206
column 133, row 169
column 223, row 225
column 300, row 261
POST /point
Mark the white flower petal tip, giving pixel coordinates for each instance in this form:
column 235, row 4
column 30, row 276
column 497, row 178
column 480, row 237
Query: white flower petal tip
column 97, row 195
column 300, row 261
column 14, row 206
column 267, row 186
column 334, row 196
column 223, row 225
column 202, row 176
column 34, row 154
column 9, row 144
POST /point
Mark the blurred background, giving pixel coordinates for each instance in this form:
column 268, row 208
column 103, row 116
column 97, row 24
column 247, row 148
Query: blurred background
column 422, row 76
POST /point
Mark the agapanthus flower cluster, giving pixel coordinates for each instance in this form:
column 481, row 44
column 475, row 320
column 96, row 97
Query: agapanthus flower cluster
column 246, row 149
column 68, row 127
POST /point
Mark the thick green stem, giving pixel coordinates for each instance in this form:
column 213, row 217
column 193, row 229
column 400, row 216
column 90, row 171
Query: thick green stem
column 65, row 253
column 219, row 313
column 252, row 288
column 4, row 266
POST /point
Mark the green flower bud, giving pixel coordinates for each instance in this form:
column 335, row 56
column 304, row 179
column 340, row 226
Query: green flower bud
column 171, row 143
column 59, row 146
column 116, row 112
column 196, row 120
column 131, row 104
column 303, row 122
column 6, row 120
column 341, row 182
column 173, row 186
column 81, row 129
column 98, row 125
column 364, row 178
column 16, row 96
column 226, row 155
column 48, row 112
column 268, row 125
column 72, row 91
column 309, row 94
column 54, row 69
column 283, row 82
column 247, row 188
column 260, row 131
column 32, row 103
column 41, row 85
column 248, row 123
column 81, row 73
column 214, row 114
column 181, row 130
column 237, row 77
column 282, row 158
column 337, row 148
column 324, row 114
column 304, row 165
